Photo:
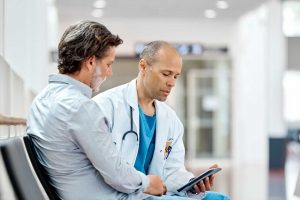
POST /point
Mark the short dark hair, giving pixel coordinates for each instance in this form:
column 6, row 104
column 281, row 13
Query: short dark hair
column 151, row 49
column 80, row 42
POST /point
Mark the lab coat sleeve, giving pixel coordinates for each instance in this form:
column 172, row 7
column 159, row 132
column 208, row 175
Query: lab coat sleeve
column 89, row 130
column 107, row 109
column 175, row 174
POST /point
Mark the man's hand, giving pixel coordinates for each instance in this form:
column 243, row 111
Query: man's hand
column 156, row 186
column 207, row 184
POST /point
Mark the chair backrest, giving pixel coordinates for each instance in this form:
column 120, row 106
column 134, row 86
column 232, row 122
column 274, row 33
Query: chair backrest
column 17, row 165
column 39, row 169
column 6, row 188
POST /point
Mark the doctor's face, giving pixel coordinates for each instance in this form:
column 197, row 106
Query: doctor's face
column 160, row 77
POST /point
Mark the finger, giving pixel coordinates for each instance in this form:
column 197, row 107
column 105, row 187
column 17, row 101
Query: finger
column 165, row 189
column 207, row 183
column 211, row 180
column 214, row 166
column 197, row 189
column 202, row 186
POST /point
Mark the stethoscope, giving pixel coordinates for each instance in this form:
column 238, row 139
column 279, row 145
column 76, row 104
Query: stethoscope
column 131, row 128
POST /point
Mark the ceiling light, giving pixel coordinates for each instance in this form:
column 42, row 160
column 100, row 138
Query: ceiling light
column 210, row 13
column 97, row 13
column 100, row 4
column 222, row 5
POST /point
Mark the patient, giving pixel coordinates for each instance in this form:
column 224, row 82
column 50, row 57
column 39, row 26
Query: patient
column 69, row 132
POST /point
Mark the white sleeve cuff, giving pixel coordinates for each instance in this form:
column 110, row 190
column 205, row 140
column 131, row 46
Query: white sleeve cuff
column 145, row 181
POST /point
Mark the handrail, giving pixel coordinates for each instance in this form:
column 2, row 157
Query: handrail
column 4, row 120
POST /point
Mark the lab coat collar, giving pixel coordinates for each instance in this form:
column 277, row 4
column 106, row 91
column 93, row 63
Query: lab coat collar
column 162, row 121
column 162, row 134
column 132, row 98
column 132, row 101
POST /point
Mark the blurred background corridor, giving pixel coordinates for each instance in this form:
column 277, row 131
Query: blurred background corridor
column 238, row 95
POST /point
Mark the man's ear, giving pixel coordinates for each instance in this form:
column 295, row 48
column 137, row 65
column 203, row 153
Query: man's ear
column 90, row 63
column 142, row 65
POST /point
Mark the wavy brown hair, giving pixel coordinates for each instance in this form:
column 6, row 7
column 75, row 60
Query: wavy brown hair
column 80, row 42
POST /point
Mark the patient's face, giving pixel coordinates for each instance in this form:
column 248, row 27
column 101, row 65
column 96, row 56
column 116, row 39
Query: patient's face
column 103, row 69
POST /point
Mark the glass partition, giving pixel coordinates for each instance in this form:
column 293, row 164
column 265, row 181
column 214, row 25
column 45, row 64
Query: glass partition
column 208, row 91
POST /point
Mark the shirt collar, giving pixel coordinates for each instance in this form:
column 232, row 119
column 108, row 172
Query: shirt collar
column 86, row 90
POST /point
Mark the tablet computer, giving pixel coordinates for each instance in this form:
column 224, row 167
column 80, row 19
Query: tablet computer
column 197, row 179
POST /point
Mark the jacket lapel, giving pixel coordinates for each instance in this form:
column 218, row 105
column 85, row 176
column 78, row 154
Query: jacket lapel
column 132, row 101
column 162, row 125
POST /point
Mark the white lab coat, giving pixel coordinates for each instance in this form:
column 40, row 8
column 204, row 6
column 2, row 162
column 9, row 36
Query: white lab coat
column 115, row 105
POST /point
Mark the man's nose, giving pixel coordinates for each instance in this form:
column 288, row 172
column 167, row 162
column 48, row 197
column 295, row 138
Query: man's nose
column 171, row 82
column 109, row 71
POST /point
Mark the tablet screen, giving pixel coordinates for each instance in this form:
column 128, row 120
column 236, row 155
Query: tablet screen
column 197, row 179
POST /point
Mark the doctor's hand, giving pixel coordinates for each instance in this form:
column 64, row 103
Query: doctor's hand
column 205, row 185
column 156, row 186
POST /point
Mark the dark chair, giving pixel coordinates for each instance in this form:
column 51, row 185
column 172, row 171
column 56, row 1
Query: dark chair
column 6, row 188
column 39, row 169
column 18, row 168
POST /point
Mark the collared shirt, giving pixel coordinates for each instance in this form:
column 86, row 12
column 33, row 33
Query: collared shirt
column 74, row 145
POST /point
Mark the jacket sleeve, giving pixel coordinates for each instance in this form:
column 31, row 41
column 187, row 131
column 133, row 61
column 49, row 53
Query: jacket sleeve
column 175, row 174
column 90, row 132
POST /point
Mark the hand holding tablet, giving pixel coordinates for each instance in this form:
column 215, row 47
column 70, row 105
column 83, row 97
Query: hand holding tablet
column 196, row 180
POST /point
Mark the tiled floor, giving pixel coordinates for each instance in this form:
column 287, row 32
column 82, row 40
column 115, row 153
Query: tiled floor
column 276, row 186
column 292, row 168
column 282, row 183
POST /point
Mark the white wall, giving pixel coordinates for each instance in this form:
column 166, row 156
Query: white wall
column 25, row 41
column 1, row 26
column 276, row 63
column 24, row 47
column 4, row 87
column 14, row 97
column 249, row 140
column 259, row 63
column 17, row 95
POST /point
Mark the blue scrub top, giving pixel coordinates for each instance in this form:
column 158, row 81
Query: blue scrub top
column 147, row 141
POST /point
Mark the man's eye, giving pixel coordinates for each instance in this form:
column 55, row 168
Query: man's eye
column 165, row 74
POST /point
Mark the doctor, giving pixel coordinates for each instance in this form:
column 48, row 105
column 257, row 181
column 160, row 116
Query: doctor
column 145, row 130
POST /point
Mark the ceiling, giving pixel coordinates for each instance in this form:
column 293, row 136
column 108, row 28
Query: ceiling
column 142, row 9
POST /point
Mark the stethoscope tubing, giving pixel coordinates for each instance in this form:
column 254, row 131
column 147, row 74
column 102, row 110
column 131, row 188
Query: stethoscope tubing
column 131, row 127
